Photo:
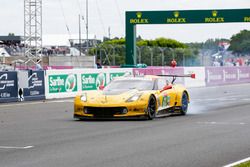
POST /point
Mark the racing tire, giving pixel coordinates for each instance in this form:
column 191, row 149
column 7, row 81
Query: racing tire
column 151, row 108
column 184, row 103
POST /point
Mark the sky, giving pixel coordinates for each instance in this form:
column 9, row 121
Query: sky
column 111, row 13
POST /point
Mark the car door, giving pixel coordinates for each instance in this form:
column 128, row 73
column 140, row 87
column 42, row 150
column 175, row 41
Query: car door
column 167, row 97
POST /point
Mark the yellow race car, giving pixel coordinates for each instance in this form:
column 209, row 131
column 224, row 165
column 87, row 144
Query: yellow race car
column 141, row 97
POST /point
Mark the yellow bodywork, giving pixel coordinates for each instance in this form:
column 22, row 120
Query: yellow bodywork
column 164, row 99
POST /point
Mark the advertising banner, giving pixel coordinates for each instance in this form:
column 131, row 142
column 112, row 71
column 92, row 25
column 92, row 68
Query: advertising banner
column 36, row 87
column 69, row 83
column 161, row 71
column 243, row 74
column 168, row 71
column 8, row 86
column 62, row 83
column 113, row 75
column 227, row 75
column 214, row 76
column 93, row 81
column 142, row 71
column 158, row 71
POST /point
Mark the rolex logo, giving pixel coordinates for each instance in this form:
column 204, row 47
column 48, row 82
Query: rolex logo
column 139, row 15
column 214, row 13
column 176, row 18
column 176, row 14
column 139, row 19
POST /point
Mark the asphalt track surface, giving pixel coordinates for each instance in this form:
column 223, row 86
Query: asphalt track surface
column 216, row 132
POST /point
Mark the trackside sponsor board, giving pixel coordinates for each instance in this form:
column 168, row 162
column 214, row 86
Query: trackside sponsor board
column 62, row 83
column 113, row 75
column 93, row 81
column 227, row 75
column 243, row 74
column 69, row 83
column 36, row 87
column 160, row 71
column 8, row 86
column 142, row 71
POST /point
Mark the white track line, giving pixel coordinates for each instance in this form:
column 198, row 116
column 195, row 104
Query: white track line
column 238, row 162
column 222, row 123
column 32, row 103
column 12, row 147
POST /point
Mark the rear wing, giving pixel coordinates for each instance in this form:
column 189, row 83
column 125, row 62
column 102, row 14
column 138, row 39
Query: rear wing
column 178, row 76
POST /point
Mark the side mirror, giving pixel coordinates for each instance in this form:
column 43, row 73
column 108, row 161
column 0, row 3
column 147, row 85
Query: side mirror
column 167, row 87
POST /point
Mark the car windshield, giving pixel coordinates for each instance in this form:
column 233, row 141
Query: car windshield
column 130, row 84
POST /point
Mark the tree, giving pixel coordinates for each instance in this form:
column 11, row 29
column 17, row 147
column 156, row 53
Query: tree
column 240, row 43
column 114, row 51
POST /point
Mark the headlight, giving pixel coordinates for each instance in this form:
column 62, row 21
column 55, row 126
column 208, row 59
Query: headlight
column 134, row 98
column 84, row 97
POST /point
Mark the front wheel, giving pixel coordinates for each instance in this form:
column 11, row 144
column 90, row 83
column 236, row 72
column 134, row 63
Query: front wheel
column 184, row 103
column 151, row 108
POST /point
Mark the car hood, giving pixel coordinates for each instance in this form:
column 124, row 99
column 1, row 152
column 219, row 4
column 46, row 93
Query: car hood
column 114, row 97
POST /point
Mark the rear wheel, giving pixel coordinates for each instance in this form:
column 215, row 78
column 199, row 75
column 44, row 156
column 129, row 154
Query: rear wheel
column 151, row 108
column 184, row 103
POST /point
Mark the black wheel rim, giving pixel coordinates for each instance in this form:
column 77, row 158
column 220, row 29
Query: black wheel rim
column 151, row 108
column 184, row 102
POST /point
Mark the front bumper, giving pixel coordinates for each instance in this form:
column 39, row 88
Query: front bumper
column 96, row 111
column 110, row 118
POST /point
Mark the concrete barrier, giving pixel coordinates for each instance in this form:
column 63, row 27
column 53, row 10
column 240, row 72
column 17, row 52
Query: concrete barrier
column 68, row 83
column 54, row 84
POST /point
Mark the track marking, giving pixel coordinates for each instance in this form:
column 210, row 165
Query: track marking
column 19, row 148
column 32, row 103
column 222, row 123
column 238, row 162
column 224, row 98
